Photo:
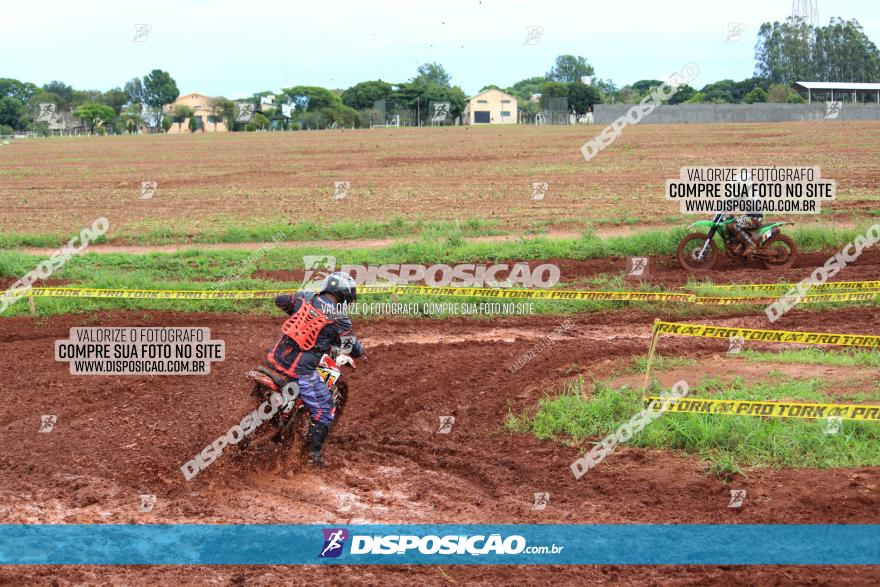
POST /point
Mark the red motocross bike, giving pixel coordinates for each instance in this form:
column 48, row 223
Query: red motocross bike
column 290, row 419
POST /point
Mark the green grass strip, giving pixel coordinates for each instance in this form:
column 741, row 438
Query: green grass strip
column 727, row 443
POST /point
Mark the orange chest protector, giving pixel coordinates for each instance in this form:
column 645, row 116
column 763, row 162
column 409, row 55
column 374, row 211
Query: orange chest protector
column 304, row 325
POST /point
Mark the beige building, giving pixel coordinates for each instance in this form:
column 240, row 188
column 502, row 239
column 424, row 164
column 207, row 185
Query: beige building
column 201, row 107
column 490, row 107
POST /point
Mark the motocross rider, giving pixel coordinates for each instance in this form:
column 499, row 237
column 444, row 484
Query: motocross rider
column 317, row 322
column 741, row 226
column 739, row 229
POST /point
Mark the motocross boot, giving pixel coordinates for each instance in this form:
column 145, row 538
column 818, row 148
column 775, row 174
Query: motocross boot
column 749, row 242
column 315, row 441
column 745, row 238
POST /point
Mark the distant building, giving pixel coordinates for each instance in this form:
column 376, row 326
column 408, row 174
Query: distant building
column 206, row 120
column 490, row 107
column 840, row 91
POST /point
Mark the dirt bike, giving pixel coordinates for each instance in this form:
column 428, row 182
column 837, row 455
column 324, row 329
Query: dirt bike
column 291, row 420
column 697, row 251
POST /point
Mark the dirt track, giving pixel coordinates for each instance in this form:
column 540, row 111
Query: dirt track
column 433, row 174
column 665, row 270
column 119, row 437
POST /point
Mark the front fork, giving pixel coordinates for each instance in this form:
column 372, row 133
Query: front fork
column 707, row 244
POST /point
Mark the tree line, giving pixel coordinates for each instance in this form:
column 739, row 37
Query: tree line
column 785, row 52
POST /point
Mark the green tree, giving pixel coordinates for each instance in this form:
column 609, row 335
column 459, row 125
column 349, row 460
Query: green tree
column 553, row 90
column 193, row 125
column 134, row 89
column 94, row 115
column 794, row 50
column 778, row 93
column 311, row 98
column 755, row 96
column 62, row 90
column 130, row 118
column 115, row 98
column 181, row 113
column 257, row 122
column 569, row 68
column 418, row 93
column 434, row 72
column 81, row 97
column 160, row 89
column 581, row 98
column 525, row 89
column 682, row 94
column 721, row 92
column 644, row 86
column 21, row 91
column 11, row 112
column 362, row 95
column 224, row 109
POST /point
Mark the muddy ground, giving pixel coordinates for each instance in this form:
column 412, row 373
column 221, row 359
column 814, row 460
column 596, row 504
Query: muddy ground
column 118, row 437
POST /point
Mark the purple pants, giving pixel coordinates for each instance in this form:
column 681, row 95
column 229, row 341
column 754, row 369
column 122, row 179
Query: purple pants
column 317, row 397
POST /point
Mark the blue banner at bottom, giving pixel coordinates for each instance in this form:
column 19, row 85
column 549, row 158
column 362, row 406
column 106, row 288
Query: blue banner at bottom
column 473, row 544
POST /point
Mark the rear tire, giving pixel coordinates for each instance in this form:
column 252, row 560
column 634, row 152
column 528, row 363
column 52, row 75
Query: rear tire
column 783, row 256
column 689, row 246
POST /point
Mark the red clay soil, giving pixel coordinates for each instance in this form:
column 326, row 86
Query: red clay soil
column 665, row 270
column 118, row 437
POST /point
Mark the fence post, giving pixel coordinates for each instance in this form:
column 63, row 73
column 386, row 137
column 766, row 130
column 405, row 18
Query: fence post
column 651, row 349
column 32, row 306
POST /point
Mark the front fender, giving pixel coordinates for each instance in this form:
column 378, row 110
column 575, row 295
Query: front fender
column 770, row 227
column 707, row 224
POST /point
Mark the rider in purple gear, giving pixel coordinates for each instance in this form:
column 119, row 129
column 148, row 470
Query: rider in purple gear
column 317, row 322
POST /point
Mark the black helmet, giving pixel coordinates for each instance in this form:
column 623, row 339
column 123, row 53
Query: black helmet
column 341, row 286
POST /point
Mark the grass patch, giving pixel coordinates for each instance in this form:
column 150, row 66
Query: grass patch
column 227, row 231
column 727, row 443
column 661, row 363
column 812, row 356
column 195, row 268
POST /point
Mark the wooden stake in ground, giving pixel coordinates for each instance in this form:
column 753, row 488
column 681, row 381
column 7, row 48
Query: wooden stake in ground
column 32, row 306
column 651, row 350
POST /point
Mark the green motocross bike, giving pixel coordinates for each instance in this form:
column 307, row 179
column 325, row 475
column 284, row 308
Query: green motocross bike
column 697, row 251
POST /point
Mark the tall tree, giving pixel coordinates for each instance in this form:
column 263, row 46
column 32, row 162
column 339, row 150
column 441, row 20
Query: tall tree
column 581, row 98
column 434, row 72
column 94, row 115
column 134, row 88
column 11, row 112
column 21, row 91
column 363, row 95
column 224, row 109
column 793, row 50
column 525, row 89
column 62, row 90
column 115, row 98
column 160, row 89
column 569, row 68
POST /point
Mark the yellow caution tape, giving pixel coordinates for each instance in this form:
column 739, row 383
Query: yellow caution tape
column 162, row 294
column 758, row 335
column 545, row 294
column 782, row 287
column 485, row 292
column 767, row 409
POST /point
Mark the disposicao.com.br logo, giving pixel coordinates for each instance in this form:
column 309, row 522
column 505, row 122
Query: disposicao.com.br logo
column 454, row 544
column 498, row 275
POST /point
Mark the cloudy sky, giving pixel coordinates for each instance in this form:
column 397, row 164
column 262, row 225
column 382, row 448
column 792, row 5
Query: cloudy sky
column 235, row 47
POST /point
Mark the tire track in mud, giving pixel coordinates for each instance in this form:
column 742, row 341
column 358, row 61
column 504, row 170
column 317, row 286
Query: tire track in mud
column 119, row 437
column 129, row 435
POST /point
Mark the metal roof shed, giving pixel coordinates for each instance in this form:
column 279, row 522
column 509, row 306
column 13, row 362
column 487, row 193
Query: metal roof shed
column 840, row 87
